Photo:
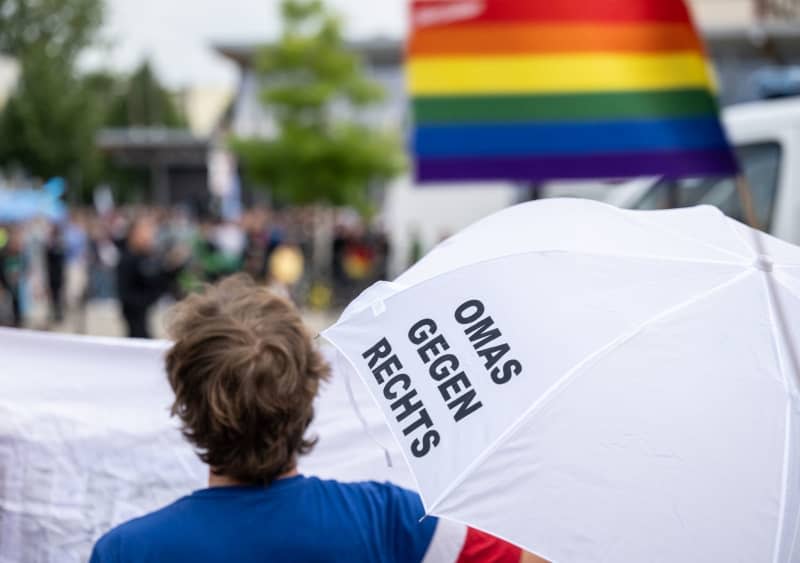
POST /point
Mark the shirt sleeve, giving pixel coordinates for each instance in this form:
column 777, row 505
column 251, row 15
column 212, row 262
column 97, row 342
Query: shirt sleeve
column 456, row 543
column 105, row 550
column 409, row 530
column 428, row 539
column 481, row 547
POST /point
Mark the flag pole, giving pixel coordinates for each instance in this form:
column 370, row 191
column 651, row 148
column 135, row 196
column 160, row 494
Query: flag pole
column 745, row 190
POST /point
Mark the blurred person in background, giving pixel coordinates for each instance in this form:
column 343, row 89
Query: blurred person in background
column 218, row 250
column 6, row 314
column 13, row 272
column 76, row 268
column 55, row 259
column 256, row 245
column 245, row 373
column 143, row 276
column 102, row 259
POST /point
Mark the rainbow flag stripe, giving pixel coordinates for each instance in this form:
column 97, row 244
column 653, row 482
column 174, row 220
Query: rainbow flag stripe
column 535, row 90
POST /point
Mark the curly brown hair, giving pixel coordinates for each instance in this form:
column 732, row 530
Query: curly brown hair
column 245, row 373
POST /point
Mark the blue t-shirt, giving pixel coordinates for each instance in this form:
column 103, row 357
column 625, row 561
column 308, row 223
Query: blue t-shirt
column 296, row 519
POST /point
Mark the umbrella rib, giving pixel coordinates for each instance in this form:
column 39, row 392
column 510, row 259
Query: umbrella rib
column 561, row 384
column 779, row 328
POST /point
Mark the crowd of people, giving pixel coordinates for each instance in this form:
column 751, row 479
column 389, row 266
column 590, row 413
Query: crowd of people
column 139, row 255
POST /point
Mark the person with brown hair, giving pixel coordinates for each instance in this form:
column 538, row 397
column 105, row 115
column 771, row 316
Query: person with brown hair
column 245, row 373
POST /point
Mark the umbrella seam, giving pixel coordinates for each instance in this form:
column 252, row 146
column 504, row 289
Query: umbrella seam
column 756, row 248
column 380, row 408
column 787, row 448
column 573, row 372
column 364, row 425
column 795, row 537
column 779, row 337
column 758, row 244
column 793, row 384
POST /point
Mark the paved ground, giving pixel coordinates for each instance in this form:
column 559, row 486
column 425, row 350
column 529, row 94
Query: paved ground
column 102, row 318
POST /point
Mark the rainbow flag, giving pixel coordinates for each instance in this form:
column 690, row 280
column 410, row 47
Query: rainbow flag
column 545, row 89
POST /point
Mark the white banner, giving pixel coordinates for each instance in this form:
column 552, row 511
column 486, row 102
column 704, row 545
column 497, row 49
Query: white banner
column 86, row 441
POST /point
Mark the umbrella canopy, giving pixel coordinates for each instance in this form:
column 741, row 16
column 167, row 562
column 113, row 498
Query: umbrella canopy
column 595, row 384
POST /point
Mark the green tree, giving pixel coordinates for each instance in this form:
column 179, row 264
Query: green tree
column 314, row 89
column 138, row 100
column 60, row 28
column 48, row 126
column 144, row 102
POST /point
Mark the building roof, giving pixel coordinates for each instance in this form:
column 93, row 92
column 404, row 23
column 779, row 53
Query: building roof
column 149, row 138
column 141, row 146
column 389, row 51
column 378, row 51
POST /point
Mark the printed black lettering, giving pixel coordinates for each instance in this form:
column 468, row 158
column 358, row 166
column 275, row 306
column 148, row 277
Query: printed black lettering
column 444, row 366
column 454, row 386
column 400, row 379
column 398, row 387
column 466, row 405
column 406, row 405
column 436, row 346
column 422, row 446
column 423, row 419
column 381, row 350
column 422, row 331
column 493, row 355
column 482, row 332
column 387, row 368
column 510, row 369
column 470, row 312
column 479, row 333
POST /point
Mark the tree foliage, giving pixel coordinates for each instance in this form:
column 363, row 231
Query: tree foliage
column 138, row 100
column 143, row 102
column 315, row 90
column 59, row 28
column 47, row 127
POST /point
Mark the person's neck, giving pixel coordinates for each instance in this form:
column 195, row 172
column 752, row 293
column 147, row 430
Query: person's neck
column 215, row 480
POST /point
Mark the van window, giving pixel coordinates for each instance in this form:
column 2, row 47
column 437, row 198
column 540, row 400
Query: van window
column 761, row 164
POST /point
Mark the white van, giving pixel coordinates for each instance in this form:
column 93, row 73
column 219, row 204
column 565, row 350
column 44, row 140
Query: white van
column 767, row 139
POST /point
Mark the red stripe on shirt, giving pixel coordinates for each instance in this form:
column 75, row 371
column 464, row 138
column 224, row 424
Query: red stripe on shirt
column 483, row 548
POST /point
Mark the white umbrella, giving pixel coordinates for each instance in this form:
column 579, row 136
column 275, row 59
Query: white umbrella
column 595, row 384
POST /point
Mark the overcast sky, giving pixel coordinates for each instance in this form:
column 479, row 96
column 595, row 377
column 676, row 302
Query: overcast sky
column 177, row 34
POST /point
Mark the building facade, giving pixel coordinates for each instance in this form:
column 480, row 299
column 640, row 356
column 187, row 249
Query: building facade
column 741, row 46
column 745, row 12
column 723, row 13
